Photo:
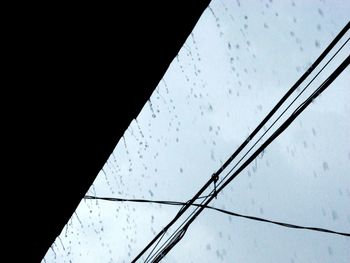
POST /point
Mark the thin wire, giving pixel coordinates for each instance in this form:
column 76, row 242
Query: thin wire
column 277, row 106
column 213, row 191
column 177, row 203
column 286, row 96
column 290, row 104
column 178, row 215
column 177, row 230
column 228, row 173
column 150, row 253
column 170, row 245
column 170, row 203
column 204, row 196
column 278, row 132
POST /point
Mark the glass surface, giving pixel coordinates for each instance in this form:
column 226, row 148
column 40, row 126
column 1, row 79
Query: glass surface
column 240, row 59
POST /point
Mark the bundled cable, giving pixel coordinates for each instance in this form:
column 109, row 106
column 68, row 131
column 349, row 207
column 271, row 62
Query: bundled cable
column 179, row 232
column 189, row 220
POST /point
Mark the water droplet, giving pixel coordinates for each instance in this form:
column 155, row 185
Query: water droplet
column 334, row 215
column 151, row 108
column 317, row 43
column 340, row 192
column 320, row 12
column 313, row 132
column 325, row 166
column 212, row 156
column 330, row 250
column 208, row 247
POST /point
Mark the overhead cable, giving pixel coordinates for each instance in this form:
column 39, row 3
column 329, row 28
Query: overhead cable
column 177, row 203
column 295, row 114
column 241, row 147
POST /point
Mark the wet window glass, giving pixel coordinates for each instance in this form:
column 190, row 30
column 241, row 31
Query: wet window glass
column 238, row 62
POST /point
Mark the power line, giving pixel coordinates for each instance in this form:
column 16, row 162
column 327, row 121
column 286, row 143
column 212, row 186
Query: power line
column 285, row 97
column 214, row 178
column 213, row 191
column 178, row 215
column 295, row 114
column 227, row 174
column 284, row 111
column 324, row 85
column 177, row 203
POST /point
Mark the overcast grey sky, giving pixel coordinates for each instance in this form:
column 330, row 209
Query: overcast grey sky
column 238, row 62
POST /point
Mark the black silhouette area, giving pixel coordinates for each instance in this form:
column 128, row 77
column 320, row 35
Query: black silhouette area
column 86, row 71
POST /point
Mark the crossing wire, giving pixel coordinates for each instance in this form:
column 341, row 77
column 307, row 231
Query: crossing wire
column 263, row 122
column 178, row 203
column 213, row 191
column 160, row 255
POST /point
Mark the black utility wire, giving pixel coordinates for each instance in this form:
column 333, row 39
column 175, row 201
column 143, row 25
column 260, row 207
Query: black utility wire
column 277, row 106
column 284, row 111
column 285, row 97
column 295, row 114
column 178, row 215
column 219, row 210
column 213, row 192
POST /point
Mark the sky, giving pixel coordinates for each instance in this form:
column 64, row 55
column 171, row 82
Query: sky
column 240, row 59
